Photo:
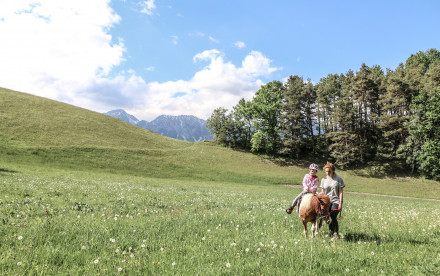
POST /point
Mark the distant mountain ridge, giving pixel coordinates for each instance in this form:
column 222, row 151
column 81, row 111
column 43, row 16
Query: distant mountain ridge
column 182, row 127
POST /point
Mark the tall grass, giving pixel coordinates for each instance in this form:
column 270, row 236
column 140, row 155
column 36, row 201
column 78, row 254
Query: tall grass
column 54, row 223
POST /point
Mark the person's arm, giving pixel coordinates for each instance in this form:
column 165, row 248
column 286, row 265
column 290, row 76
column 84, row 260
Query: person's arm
column 341, row 199
column 305, row 182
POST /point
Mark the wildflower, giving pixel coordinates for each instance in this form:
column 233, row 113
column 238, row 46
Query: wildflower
column 119, row 269
column 131, row 255
column 83, row 247
column 173, row 264
column 143, row 245
column 203, row 238
column 112, row 240
column 20, row 238
column 233, row 244
column 258, row 249
column 19, row 263
column 228, row 265
column 117, row 251
column 247, row 249
column 372, row 252
column 96, row 261
column 161, row 249
column 347, row 270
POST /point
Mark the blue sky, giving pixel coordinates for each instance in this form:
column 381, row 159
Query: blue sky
column 178, row 57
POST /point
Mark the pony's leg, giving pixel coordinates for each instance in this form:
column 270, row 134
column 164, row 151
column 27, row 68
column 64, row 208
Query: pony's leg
column 305, row 228
column 314, row 232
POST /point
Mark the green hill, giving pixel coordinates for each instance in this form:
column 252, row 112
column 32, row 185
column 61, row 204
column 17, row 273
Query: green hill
column 39, row 132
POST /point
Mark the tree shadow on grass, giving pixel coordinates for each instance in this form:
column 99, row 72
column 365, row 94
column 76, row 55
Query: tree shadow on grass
column 363, row 237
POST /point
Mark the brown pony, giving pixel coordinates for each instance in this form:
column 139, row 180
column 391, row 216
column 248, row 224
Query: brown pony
column 313, row 208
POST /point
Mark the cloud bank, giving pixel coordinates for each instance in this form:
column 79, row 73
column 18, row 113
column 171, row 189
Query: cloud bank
column 63, row 50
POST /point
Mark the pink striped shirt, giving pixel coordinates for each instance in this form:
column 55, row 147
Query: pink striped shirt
column 310, row 182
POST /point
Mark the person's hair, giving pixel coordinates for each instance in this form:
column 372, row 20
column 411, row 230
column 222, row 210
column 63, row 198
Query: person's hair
column 331, row 167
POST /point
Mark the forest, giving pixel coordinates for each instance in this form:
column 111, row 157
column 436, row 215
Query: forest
column 385, row 119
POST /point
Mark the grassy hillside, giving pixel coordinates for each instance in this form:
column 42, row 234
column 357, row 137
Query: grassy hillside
column 84, row 193
column 38, row 132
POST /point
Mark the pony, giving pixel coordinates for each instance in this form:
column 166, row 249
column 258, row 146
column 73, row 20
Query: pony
column 314, row 209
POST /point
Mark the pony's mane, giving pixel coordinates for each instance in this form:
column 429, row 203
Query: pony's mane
column 324, row 198
column 306, row 201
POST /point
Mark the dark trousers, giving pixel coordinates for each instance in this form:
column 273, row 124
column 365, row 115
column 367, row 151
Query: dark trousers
column 334, row 226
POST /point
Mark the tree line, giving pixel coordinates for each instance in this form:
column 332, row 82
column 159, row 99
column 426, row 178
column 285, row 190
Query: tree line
column 388, row 119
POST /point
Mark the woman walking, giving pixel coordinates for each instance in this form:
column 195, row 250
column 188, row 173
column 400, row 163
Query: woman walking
column 333, row 186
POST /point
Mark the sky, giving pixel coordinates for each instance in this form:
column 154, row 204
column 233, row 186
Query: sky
column 174, row 57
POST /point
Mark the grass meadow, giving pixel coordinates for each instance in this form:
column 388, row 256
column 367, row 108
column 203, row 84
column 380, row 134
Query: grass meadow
column 77, row 223
column 82, row 193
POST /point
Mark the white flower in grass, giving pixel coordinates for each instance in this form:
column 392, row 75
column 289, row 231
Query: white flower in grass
column 247, row 250
column 347, row 270
column 96, row 261
column 83, row 247
column 19, row 263
column 228, row 265
column 131, row 255
column 112, row 240
column 258, row 249
column 372, row 253
column 173, row 264
column 203, row 238
column 161, row 249
column 117, row 251
column 20, row 238
column 119, row 269
column 143, row 245
column 233, row 244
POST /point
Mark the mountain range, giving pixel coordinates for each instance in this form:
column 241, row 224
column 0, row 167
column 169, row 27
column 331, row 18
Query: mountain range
column 182, row 127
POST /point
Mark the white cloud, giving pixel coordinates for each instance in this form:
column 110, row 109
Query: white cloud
column 218, row 84
column 213, row 39
column 148, row 7
column 57, row 42
column 175, row 39
column 240, row 44
column 62, row 50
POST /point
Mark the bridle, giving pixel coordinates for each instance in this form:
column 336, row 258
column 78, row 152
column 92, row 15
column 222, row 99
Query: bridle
column 321, row 204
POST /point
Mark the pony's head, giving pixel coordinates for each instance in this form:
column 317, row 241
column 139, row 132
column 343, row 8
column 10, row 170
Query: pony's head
column 324, row 207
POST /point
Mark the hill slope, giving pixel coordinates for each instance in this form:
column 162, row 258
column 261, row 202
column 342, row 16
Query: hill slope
column 40, row 132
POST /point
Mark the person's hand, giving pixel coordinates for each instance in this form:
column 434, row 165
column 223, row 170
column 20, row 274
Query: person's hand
column 340, row 211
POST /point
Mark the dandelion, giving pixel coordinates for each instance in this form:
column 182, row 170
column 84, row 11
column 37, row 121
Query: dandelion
column 20, row 238
column 228, row 265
